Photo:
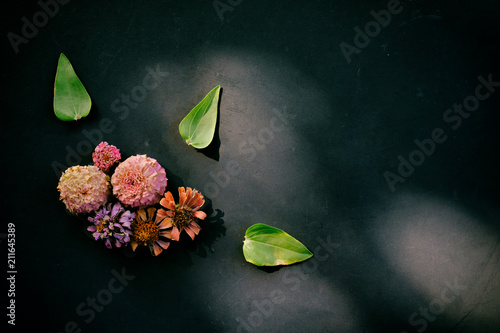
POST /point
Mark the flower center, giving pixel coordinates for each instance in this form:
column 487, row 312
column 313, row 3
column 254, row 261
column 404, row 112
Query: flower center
column 146, row 233
column 134, row 180
column 106, row 157
column 101, row 225
column 182, row 218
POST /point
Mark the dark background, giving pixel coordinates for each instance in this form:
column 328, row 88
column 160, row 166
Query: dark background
column 389, row 255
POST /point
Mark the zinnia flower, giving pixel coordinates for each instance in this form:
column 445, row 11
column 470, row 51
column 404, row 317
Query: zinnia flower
column 147, row 229
column 184, row 215
column 139, row 181
column 105, row 155
column 83, row 188
column 112, row 224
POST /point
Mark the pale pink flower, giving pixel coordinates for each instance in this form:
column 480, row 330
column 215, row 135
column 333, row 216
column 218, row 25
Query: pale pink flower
column 105, row 156
column 84, row 188
column 139, row 181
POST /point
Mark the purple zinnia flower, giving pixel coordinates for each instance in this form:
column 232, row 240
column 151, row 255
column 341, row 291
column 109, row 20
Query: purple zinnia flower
column 112, row 224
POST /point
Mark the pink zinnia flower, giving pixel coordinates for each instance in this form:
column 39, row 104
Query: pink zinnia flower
column 147, row 230
column 184, row 215
column 139, row 181
column 84, row 188
column 105, row 155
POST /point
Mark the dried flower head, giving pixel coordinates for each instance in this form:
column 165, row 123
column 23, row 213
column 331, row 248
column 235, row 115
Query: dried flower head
column 83, row 188
column 184, row 215
column 148, row 229
column 139, row 181
column 105, row 156
column 112, row 225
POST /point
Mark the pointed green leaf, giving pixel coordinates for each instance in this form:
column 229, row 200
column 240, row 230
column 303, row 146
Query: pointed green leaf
column 71, row 100
column 198, row 127
column 268, row 246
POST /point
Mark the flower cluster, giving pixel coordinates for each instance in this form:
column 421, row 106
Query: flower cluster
column 130, row 205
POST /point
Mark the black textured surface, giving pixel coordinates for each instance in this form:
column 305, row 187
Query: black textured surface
column 304, row 143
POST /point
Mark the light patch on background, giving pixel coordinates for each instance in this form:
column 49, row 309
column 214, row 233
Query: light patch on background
column 259, row 303
column 272, row 87
column 435, row 243
column 258, row 125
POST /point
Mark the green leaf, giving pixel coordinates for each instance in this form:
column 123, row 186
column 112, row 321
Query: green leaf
column 198, row 127
column 268, row 246
column 71, row 100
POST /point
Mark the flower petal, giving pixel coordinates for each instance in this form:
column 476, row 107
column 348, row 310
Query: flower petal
column 189, row 193
column 151, row 213
column 117, row 208
column 156, row 249
column 141, row 215
column 195, row 227
column 166, row 233
column 168, row 201
column 162, row 213
column 163, row 244
column 175, row 234
column 182, row 196
column 196, row 199
column 200, row 215
column 190, row 233
column 166, row 223
column 134, row 245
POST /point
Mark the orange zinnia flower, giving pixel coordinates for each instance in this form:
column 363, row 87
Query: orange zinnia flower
column 183, row 217
column 147, row 229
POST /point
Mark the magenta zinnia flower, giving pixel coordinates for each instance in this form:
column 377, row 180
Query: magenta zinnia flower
column 139, row 181
column 105, row 156
column 184, row 215
column 112, row 224
column 83, row 188
column 147, row 230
